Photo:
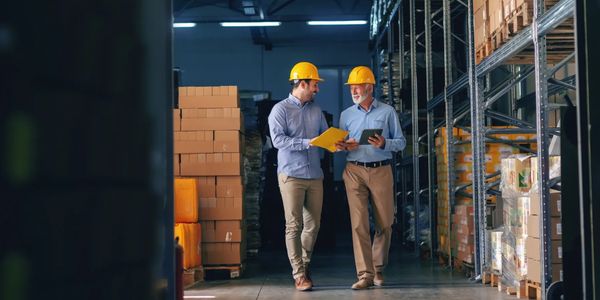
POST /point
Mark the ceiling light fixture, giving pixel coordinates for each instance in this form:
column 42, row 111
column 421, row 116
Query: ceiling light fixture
column 184, row 25
column 350, row 22
column 250, row 24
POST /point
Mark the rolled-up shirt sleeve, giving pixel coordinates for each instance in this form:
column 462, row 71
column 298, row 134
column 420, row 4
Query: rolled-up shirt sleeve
column 397, row 142
column 277, row 127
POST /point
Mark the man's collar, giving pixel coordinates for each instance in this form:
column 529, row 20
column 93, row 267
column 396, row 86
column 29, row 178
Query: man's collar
column 296, row 100
column 374, row 104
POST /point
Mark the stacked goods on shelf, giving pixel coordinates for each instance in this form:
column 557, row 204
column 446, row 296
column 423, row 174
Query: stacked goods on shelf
column 210, row 144
column 390, row 91
column 481, row 26
column 496, row 250
column 463, row 174
column 533, row 243
column 496, row 21
column 464, row 227
column 514, row 261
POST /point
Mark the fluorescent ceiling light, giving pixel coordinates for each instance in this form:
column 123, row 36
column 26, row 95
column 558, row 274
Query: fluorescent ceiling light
column 250, row 24
column 351, row 22
column 184, row 25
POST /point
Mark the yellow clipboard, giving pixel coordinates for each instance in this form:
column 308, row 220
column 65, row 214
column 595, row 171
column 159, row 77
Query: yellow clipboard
column 328, row 138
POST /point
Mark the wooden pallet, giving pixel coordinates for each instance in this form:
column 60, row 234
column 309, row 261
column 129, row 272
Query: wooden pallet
column 519, row 290
column 192, row 276
column 534, row 290
column 492, row 278
column 560, row 42
column 235, row 271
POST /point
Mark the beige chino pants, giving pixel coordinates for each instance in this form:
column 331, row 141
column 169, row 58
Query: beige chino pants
column 302, row 203
column 362, row 182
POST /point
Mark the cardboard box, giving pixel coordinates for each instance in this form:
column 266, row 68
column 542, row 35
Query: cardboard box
column 480, row 23
column 223, row 253
column 554, row 168
column 186, row 200
column 176, row 168
column 477, row 4
column 207, row 187
column 215, row 164
column 509, row 7
column 194, row 119
column 496, row 251
column 516, row 173
column 176, row 119
column 193, row 142
column 227, row 141
column 555, row 204
column 534, row 271
column 222, row 231
column 496, row 14
column 189, row 235
column 533, row 249
column 533, row 227
column 209, row 97
column 221, row 209
column 230, row 186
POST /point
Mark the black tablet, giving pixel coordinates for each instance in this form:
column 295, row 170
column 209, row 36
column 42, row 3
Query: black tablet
column 367, row 133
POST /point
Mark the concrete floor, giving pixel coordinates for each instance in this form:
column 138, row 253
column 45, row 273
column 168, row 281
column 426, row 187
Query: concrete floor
column 268, row 277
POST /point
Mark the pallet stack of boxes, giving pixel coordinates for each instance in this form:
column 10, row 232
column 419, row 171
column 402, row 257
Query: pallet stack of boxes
column 521, row 235
column 496, row 21
column 533, row 244
column 208, row 148
column 463, row 165
column 463, row 225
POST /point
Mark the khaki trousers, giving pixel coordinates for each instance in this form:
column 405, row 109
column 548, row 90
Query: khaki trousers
column 302, row 203
column 362, row 182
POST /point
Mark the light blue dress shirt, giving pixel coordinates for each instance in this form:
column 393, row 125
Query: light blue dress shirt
column 292, row 126
column 380, row 116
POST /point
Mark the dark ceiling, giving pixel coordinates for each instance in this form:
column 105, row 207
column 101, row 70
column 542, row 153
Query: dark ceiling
column 292, row 13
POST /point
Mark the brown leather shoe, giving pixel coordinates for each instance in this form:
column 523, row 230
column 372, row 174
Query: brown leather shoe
column 362, row 284
column 307, row 275
column 378, row 280
column 302, row 284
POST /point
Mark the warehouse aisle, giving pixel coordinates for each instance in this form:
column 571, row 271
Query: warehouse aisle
column 333, row 273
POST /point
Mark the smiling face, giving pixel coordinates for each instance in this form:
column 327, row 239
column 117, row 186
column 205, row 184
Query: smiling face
column 361, row 92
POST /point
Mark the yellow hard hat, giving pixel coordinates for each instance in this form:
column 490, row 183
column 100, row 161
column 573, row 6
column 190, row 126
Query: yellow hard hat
column 360, row 75
column 304, row 70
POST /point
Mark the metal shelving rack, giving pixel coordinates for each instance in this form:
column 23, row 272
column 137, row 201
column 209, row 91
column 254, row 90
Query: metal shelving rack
column 475, row 81
column 480, row 104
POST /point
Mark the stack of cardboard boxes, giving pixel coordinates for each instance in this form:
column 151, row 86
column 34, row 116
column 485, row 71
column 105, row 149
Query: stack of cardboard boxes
column 463, row 175
column 208, row 147
column 521, row 238
column 533, row 244
column 464, row 227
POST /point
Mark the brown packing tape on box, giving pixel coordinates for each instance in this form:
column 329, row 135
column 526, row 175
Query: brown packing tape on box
column 215, row 164
column 223, row 253
column 533, row 247
column 193, row 142
column 227, row 141
column 221, row 209
column 222, row 231
column 176, row 120
column 533, row 227
column 193, row 119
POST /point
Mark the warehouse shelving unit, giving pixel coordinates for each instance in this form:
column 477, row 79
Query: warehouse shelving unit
column 475, row 83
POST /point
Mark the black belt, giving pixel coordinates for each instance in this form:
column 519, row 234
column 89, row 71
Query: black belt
column 374, row 164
